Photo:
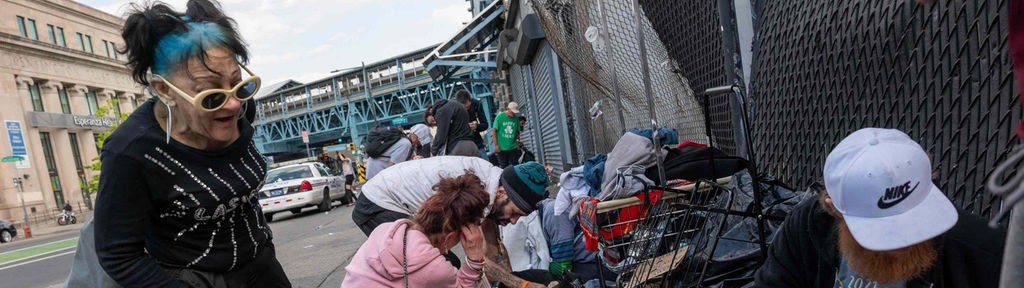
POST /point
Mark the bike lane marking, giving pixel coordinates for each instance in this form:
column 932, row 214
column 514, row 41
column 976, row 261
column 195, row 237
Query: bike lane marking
column 29, row 252
column 2, row 268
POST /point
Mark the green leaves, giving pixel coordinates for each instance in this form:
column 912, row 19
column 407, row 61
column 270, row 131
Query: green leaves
column 93, row 184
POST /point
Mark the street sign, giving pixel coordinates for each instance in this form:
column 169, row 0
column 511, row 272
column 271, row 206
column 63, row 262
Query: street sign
column 305, row 136
column 7, row 159
column 399, row 121
column 17, row 140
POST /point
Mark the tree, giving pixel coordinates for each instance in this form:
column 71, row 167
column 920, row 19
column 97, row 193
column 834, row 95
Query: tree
column 94, row 182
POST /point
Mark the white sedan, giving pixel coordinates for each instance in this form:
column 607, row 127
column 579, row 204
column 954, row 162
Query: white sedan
column 297, row 186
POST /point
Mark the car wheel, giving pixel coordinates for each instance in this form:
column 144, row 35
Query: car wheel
column 269, row 217
column 325, row 204
column 5, row 236
column 296, row 210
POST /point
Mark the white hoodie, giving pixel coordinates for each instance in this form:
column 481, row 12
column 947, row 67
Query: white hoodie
column 404, row 187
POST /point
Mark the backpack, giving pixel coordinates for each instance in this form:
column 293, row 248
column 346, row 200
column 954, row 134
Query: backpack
column 379, row 139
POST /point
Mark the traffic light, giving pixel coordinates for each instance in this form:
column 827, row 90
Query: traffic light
column 352, row 147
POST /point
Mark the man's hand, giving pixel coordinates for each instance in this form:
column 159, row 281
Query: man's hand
column 472, row 126
column 473, row 242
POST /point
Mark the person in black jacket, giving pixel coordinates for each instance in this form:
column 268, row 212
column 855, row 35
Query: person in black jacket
column 454, row 134
column 881, row 223
column 177, row 204
column 477, row 119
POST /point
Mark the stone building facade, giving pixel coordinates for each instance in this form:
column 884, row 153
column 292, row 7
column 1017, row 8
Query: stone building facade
column 58, row 66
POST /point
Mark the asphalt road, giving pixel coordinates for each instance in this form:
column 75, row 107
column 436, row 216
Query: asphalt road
column 313, row 248
column 45, row 269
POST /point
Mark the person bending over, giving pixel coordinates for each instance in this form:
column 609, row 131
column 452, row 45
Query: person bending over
column 881, row 223
column 409, row 252
column 177, row 200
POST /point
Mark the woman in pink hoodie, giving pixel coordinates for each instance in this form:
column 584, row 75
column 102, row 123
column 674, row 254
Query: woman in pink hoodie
column 409, row 252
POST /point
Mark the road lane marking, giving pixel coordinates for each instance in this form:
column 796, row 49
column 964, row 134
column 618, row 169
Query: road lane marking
column 37, row 260
column 34, row 246
column 26, row 253
column 34, row 256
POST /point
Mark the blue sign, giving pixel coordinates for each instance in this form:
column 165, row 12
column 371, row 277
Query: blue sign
column 399, row 121
column 17, row 139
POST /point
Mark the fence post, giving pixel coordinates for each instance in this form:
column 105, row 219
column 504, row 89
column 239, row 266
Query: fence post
column 646, row 72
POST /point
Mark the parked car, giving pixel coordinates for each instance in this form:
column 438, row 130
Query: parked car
column 7, row 231
column 296, row 186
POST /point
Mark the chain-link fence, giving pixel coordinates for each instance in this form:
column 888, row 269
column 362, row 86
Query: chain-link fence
column 608, row 68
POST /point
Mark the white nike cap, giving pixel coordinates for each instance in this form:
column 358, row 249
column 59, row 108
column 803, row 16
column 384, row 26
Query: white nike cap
column 880, row 181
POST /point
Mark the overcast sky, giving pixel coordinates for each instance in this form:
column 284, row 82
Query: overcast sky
column 306, row 39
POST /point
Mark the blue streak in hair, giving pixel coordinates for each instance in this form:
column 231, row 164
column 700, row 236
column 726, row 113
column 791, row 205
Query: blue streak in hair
column 175, row 47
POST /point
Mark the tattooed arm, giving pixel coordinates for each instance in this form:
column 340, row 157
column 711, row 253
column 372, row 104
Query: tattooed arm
column 497, row 267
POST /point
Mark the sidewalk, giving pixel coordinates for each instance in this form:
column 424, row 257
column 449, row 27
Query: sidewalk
column 47, row 230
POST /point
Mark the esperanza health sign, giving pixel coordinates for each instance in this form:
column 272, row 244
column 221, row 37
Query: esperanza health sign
column 18, row 146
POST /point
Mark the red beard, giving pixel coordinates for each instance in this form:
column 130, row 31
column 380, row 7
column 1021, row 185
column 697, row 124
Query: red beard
column 885, row 266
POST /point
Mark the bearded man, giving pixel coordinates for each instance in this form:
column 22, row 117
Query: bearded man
column 881, row 223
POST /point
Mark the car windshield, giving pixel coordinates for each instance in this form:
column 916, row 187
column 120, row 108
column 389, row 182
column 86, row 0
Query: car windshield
column 289, row 173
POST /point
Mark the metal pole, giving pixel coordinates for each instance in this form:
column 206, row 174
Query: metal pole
column 1013, row 257
column 645, row 68
column 369, row 95
column 609, row 51
column 21, row 195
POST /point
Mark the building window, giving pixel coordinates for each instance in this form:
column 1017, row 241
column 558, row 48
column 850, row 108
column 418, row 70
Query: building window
column 135, row 103
column 21, row 27
column 81, row 41
column 37, row 99
column 51, row 166
column 90, row 100
column 32, row 33
column 106, row 46
column 113, row 50
column 117, row 107
column 65, row 105
column 60, row 37
column 88, row 43
column 75, row 152
column 53, row 35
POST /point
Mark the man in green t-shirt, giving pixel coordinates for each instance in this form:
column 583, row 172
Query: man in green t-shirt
column 505, row 135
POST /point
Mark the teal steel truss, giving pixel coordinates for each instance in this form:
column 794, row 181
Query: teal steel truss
column 344, row 106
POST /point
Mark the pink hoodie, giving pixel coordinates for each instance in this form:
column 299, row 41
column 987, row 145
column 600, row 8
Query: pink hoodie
column 378, row 263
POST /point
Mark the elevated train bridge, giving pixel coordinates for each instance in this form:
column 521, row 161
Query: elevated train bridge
column 341, row 108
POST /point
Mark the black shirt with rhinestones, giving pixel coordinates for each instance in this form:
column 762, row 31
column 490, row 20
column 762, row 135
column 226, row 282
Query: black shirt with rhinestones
column 166, row 205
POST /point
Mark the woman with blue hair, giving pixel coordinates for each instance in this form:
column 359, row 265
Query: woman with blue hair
column 177, row 202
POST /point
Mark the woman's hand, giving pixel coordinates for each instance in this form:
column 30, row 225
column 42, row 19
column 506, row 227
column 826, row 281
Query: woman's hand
column 473, row 242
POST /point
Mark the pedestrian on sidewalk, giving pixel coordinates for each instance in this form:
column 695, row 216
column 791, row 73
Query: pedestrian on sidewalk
column 386, row 146
column 454, row 133
column 410, row 252
column 184, row 212
column 421, row 137
column 506, row 135
column 477, row 119
column 350, row 174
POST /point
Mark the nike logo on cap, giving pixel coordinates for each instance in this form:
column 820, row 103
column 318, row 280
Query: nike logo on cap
column 895, row 195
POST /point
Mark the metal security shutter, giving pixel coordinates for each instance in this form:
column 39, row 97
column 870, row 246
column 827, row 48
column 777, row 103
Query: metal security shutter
column 520, row 94
column 552, row 130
